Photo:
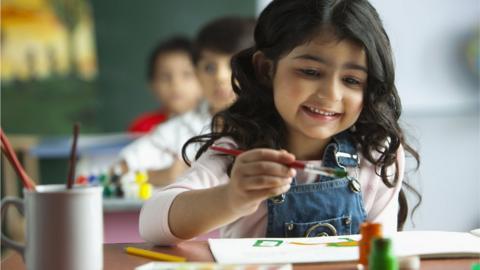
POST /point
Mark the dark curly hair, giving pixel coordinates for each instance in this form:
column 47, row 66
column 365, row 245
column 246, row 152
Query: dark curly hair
column 253, row 121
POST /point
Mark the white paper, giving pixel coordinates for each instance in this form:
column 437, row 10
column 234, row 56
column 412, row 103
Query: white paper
column 317, row 249
column 209, row 266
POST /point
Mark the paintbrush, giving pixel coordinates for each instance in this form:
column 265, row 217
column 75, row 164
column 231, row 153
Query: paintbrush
column 311, row 168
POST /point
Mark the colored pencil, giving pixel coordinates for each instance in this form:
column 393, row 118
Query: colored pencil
column 73, row 156
column 154, row 255
column 331, row 172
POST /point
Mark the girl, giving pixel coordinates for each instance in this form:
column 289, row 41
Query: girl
column 318, row 85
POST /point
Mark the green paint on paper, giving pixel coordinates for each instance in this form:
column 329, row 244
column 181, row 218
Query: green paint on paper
column 267, row 243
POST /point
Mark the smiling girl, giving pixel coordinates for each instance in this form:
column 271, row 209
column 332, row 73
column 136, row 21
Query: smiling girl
column 318, row 86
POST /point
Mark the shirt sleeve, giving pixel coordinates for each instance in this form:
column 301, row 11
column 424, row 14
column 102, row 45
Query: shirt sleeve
column 208, row 171
column 148, row 152
column 385, row 206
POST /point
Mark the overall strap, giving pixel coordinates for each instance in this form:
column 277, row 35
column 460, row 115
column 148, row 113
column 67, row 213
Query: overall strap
column 341, row 152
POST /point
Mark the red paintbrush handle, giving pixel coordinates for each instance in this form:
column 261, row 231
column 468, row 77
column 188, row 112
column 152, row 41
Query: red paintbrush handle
column 234, row 152
column 297, row 165
column 12, row 158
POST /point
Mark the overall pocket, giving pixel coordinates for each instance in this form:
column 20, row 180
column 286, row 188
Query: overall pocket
column 329, row 227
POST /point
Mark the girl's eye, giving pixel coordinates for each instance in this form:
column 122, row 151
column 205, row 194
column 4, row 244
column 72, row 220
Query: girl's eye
column 310, row 72
column 352, row 81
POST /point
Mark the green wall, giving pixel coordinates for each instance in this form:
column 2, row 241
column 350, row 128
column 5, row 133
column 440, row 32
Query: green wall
column 126, row 32
column 49, row 107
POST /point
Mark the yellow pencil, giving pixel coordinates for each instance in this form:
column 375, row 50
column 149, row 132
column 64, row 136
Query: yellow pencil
column 154, row 255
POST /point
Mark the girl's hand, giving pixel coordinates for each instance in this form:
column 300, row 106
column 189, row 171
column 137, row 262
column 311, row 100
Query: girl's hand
column 256, row 175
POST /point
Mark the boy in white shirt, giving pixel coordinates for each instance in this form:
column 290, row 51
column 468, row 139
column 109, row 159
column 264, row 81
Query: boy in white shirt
column 159, row 152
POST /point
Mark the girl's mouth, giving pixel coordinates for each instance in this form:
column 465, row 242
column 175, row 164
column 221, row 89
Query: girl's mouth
column 320, row 113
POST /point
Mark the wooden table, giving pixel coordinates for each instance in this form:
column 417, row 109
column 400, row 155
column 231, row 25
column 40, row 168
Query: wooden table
column 116, row 259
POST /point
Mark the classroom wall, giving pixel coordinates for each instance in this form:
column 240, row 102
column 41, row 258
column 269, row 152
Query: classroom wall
column 448, row 177
column 126, row 32
column 441, row 100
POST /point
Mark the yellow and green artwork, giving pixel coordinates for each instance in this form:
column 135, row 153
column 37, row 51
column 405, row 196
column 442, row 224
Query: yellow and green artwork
column 45, row 38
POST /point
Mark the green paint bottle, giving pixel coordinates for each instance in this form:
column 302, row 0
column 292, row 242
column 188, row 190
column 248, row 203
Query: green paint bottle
column 381, row 255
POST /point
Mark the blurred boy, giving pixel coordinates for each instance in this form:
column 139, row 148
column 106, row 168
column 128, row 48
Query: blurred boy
column 172, row 79
column 159, row 152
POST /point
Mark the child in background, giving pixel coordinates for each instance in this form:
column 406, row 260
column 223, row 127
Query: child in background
column 158, row 152
column 317, row 86
column 172, row 79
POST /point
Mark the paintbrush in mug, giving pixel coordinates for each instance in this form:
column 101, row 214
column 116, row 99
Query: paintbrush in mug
column 311, row 168
column 11, row 156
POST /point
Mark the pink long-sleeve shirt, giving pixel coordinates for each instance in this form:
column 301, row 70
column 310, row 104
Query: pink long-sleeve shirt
column 380, row 202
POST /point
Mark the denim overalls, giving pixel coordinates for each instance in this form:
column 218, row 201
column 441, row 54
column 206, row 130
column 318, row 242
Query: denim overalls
column 329, row 206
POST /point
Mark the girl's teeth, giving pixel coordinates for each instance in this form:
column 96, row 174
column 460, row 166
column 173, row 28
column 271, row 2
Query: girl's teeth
column 315, row 110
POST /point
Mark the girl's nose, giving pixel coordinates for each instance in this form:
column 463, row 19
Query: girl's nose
column 330, row 89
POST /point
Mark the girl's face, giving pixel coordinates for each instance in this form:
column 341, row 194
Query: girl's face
column 174, row 82
column 214, row 72
column 318, row 90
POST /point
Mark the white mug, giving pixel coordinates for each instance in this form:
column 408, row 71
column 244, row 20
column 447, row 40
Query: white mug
column 64, row 227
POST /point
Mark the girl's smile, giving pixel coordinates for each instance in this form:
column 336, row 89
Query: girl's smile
column 319, row 114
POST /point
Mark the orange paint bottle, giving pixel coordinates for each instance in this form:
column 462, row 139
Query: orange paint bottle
column 368, row 231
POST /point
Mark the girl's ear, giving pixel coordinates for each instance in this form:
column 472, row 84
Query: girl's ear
column 264, row 68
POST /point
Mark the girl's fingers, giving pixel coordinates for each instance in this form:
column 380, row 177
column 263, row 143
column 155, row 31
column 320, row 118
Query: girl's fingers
column 265, row 154
column 266, row 168
column 263, row 194
column 262, row 173
column 263, row 182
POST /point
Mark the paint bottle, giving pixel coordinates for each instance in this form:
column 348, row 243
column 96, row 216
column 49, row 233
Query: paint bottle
column 81, row 180
column 141, row 177
column 108, row 191
column 368, row 232
column 144, row 188
column 381, row 255
column 145, row 191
